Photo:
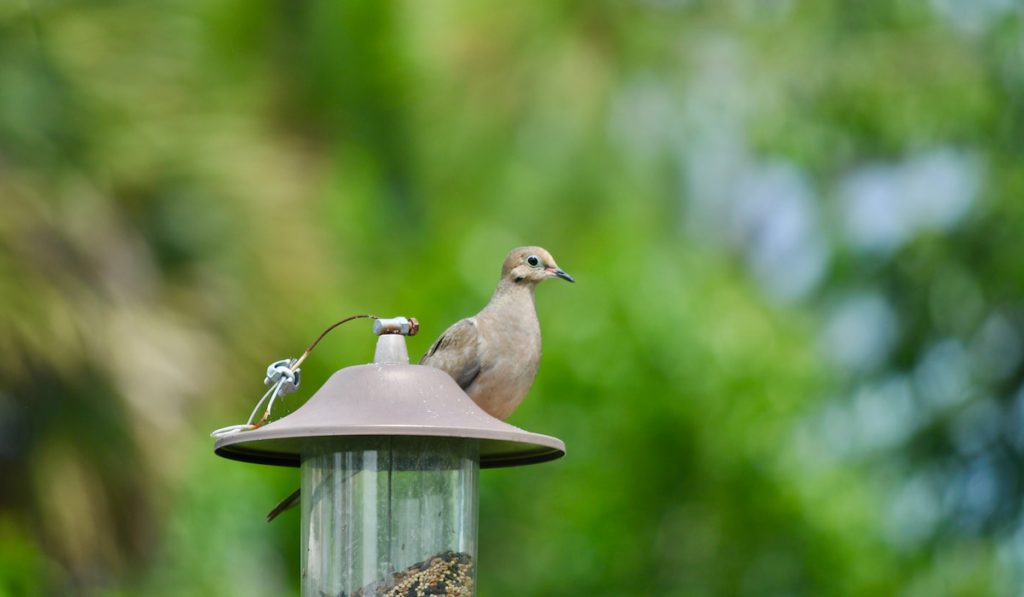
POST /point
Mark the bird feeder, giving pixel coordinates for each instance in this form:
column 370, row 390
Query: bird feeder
column 390, row 454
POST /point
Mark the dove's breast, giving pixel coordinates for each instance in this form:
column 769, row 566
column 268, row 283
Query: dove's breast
column 509, row 358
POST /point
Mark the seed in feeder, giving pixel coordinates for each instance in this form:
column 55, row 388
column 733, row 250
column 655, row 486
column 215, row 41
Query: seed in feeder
column 449, row 574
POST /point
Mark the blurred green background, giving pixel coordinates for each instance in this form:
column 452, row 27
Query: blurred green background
column 792, row 363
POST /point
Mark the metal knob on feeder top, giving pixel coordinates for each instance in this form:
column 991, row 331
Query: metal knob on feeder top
column 406, row 326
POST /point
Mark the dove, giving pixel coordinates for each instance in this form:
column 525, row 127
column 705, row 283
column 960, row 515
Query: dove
column 494, row 355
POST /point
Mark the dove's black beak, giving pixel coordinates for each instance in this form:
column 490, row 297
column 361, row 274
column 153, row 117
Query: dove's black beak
column 561, row 274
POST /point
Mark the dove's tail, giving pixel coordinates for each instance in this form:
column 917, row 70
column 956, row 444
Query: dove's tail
column 286, row 504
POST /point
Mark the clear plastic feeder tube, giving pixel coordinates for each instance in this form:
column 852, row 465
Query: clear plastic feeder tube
column 389, row 516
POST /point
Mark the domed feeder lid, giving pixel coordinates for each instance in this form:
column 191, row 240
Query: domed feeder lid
column 389, row 397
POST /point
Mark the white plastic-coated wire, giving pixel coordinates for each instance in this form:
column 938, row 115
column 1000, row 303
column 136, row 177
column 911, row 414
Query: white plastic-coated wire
column 273, row 396
column 283, row 377
column 219, row 433
column 273, row 393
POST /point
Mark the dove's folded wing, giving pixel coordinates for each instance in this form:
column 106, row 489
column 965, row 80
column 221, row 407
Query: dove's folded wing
column 457, row 352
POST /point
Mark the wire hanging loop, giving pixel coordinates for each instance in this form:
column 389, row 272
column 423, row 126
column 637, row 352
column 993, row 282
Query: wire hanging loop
column 283, row 378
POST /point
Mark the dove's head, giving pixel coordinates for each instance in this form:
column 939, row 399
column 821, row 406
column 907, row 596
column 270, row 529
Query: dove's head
column 531, row 265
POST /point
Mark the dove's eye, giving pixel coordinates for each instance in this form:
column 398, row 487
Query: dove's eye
column 533, row 260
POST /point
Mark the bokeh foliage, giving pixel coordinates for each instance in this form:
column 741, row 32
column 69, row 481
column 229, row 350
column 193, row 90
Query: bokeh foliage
column 792, row 364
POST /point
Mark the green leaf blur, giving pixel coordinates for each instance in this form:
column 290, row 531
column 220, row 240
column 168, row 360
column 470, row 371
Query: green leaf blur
column 792, row 363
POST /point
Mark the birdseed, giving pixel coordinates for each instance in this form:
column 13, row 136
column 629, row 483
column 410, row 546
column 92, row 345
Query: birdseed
column 449, row 574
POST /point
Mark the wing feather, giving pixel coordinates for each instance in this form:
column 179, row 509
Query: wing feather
column 457, row 352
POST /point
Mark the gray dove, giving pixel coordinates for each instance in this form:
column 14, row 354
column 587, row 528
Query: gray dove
column 494, row 355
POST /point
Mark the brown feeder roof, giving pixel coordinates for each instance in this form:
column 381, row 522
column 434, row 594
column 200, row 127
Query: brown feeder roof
column 389, row 398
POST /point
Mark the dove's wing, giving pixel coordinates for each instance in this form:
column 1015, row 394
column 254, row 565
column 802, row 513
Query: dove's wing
column 457, row 352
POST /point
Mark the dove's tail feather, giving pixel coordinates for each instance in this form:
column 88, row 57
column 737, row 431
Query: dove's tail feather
column 286, row 504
